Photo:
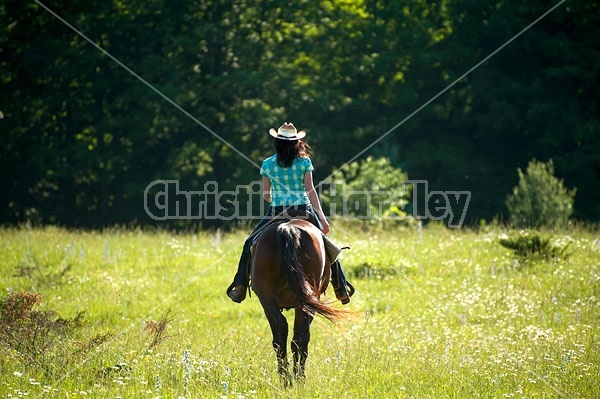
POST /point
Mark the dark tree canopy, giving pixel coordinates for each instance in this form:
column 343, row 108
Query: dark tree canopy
column 82, row 137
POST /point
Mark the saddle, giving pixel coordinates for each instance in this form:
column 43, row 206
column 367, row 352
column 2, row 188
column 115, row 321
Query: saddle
column 332, row 251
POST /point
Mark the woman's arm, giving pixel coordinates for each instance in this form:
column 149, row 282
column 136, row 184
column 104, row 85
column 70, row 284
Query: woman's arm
column 266, row 187
column 314, row 200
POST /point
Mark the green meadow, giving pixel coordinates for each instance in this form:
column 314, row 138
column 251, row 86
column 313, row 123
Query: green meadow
column 438, row 313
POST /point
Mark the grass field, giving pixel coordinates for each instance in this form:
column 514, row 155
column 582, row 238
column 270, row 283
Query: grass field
column 439, row 314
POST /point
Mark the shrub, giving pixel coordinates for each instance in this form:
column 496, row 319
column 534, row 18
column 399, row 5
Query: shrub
column 49, row 342
column 540, row 199
column 157, row 329
column 529, row 244
column 369, row 189
column 34, row 335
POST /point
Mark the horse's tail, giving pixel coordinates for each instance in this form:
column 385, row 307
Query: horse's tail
column 288, row 241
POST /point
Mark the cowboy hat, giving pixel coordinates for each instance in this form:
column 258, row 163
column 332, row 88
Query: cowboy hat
column 287, row 131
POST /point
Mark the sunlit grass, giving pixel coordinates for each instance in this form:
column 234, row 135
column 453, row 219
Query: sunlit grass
column 442, row 313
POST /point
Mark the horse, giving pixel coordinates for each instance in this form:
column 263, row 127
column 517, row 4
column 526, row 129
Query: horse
column 289, row 271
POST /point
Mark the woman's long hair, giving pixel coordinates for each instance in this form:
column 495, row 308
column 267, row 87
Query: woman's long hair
column 288, row 150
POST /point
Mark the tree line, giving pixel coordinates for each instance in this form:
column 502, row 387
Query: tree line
column 83, row 137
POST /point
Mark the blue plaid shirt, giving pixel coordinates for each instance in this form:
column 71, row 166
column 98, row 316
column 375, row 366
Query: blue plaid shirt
column 287, row 184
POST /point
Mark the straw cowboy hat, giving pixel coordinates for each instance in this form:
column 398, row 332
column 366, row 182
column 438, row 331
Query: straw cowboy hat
column 287, row 131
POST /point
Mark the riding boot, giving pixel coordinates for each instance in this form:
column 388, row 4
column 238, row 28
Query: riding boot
column 237, row 290
column 343, row 289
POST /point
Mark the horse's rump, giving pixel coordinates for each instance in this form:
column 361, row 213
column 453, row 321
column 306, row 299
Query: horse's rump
column 289, row 266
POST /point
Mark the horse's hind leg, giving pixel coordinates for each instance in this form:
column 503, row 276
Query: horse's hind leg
column 279, row 328
column 300, row 341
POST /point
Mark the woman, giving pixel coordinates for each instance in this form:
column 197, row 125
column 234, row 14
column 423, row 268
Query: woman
column 288, row 186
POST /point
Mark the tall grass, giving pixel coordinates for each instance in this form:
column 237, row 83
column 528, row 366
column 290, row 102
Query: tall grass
column 439, row 313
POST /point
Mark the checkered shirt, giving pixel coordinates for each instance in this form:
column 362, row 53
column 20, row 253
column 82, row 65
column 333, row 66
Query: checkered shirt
column 287, row 184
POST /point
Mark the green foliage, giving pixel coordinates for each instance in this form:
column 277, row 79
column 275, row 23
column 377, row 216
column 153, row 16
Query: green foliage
column 368, row 189
column 82, row 137
column 540, row 199
column 533, row 245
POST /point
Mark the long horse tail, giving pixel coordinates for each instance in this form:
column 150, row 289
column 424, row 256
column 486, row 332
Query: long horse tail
column 288, row 241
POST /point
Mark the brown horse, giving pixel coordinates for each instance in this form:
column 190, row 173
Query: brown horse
column 289, row 270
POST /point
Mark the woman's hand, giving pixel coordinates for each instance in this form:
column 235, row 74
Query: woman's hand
column 325, row 225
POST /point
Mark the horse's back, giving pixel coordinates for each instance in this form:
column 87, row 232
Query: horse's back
column 268, row 281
